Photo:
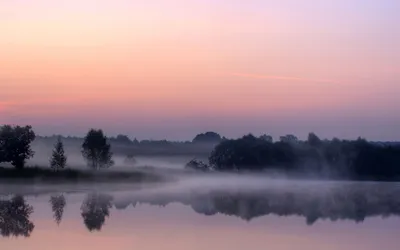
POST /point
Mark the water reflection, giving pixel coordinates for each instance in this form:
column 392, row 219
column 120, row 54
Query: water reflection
column 14, row 217
column 354, row 203
column 57, row 203
column 347, row 203
column 95, row 209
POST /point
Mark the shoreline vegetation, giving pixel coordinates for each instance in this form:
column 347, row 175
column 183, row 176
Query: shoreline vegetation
column 47, row 175
column 312, row 158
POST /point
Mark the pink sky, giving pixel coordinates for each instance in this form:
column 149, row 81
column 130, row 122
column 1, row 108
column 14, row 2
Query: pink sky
column 170, row 69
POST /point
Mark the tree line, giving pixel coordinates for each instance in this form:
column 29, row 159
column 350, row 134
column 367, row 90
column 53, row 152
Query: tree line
column 121, row 139
column 357, row 159
column 15, row 148
column 201, row 145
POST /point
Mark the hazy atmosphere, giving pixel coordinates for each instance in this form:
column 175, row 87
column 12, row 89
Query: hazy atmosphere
column 200, row 124
column 170, row 69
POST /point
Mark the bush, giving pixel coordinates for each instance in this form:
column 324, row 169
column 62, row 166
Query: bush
column 197, row 165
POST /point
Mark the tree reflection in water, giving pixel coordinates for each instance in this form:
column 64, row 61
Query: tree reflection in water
column 349, row 202
column 95, row 209
column 14, row 217
column 341, row 202
column 57, row 206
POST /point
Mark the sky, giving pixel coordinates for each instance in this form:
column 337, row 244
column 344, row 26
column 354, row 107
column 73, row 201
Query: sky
column 170, row 69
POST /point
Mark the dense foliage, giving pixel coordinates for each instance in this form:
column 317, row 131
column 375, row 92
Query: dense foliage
column 252, row 153
column 15, row 145
column 96, row 150
column 208, row 137
column 356, row 159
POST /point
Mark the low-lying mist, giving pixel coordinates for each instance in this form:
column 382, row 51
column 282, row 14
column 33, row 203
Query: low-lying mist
column 76, row 161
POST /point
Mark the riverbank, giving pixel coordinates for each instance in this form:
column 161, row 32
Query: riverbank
column 37, row 173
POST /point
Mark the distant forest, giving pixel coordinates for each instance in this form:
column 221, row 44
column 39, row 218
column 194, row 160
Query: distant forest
column 349, row 159
column 354, row 159
column 200, row 146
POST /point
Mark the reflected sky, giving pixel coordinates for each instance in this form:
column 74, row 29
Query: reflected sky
column 334, row 216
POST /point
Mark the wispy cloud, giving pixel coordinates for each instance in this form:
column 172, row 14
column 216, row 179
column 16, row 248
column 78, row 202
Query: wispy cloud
column 283, row 78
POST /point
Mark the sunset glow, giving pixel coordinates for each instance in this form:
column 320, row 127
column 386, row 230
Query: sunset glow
column 169, row 69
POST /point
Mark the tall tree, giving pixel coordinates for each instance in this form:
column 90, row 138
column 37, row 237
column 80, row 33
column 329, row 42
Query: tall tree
column 15, row 144
column 58, row 159
column 96, row 150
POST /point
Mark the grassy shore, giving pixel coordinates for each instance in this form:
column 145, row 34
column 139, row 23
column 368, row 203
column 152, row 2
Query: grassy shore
column 45, row 174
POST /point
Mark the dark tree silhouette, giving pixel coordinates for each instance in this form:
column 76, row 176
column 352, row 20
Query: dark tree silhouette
column 314, row 140
column 15, row 144
column 208, row 137
column 58, row 159
column 197, row 165
column 251, row 153
column 358, row 159
column 14, row 217
column 121, row 139
column 57, row 206
column 2, row 151
column 267, row 138
column 289, row 139
column 95, row 209
column 96, row 150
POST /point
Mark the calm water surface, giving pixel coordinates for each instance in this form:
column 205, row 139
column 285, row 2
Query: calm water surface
column 206, row 215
